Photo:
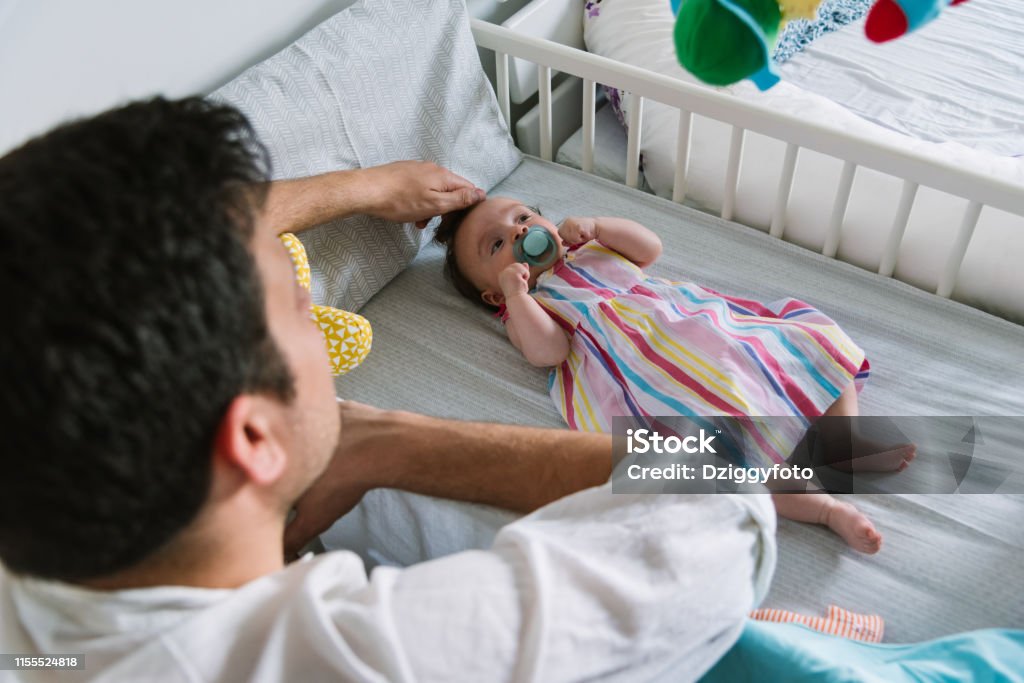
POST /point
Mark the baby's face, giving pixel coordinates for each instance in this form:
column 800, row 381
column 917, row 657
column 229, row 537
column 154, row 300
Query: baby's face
column 483, row 245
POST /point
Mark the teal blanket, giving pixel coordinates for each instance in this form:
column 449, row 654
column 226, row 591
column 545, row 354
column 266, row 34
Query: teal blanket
column 797, row 654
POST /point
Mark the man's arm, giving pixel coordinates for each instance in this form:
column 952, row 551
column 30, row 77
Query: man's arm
column 404, row 191
column 517, row 468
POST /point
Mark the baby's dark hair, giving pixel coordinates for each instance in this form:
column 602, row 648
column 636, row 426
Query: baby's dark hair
column 447, row 229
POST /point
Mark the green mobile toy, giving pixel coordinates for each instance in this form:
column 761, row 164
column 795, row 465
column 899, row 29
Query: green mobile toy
column 724, row 41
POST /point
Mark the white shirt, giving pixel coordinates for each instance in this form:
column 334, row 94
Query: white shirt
column 596, row 585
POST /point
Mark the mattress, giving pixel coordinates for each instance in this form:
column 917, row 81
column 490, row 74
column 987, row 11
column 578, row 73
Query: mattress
column 949, row 563
column 959, row 79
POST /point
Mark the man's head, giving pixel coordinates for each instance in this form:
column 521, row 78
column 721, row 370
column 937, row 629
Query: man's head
column 478, row 243
column 157, row 346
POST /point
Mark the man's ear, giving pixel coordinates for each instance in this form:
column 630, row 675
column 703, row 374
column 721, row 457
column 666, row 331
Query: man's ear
column 492, row 298
column 246, row 440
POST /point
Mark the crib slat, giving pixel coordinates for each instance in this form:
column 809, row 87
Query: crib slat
column 589, row 96
column 899, row 226
column 501, row 73
column 835, row 224
column 682, row 155
column 544, row 88
column 785, row 190
column 636, row 115
column 732, row 172
column 956, row 255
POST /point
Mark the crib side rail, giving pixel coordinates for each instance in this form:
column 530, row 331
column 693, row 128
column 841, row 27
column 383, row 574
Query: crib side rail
column 915, row 168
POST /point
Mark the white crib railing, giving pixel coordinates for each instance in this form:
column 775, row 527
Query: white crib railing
column 914, row 168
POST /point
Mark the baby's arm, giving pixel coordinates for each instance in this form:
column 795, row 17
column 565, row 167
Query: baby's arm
column 531, row 330
column 629, row 238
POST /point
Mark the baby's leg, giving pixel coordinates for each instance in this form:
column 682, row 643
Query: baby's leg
column 820, row 508
column 854, row 452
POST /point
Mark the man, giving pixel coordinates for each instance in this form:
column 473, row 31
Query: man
column 166, row 402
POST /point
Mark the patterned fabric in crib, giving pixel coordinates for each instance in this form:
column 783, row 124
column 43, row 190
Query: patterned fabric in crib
column 644, row 346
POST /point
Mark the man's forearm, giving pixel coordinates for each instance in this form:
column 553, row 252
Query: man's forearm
column 402, row 192
column 517, row 468
column 302, row 203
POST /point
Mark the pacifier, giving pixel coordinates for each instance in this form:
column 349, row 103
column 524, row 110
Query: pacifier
column 536, row 247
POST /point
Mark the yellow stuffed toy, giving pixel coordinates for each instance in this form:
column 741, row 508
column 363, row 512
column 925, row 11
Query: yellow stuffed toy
column 348, row 335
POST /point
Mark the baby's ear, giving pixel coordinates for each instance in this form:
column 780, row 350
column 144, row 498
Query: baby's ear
column 492, row 298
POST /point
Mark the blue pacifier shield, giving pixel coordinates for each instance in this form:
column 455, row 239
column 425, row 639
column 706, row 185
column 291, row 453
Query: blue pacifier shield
column 536, row 247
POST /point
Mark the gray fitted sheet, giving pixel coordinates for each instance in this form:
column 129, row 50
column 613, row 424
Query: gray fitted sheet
column 949, row 562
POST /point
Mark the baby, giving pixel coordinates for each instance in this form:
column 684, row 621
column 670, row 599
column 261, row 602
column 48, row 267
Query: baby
column 624, row 343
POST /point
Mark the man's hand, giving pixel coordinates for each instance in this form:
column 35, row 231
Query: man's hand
column 575, row 230
column 514, row 279
column 416, row 191
column 403, row 191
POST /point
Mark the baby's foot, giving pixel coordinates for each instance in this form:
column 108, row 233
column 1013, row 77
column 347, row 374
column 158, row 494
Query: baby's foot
column 868, row 446
column 853, row 527
column 877, row 457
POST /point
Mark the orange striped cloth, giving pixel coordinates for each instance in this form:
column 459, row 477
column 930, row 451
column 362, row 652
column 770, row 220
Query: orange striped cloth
column 837, row 622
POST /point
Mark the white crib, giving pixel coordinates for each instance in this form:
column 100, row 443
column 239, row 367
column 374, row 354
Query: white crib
column 513, row 49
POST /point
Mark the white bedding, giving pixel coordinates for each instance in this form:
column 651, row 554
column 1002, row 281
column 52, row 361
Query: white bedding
column 958, row 79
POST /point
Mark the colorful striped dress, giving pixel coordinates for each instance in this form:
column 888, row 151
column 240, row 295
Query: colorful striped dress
column 643, row 346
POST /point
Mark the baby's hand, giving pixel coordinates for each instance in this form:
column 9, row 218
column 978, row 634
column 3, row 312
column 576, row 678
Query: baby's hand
column 514, row 279
column 575, row 230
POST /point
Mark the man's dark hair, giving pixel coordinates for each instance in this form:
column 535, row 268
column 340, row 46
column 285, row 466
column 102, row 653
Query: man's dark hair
column 447, row 229
column 134, row 314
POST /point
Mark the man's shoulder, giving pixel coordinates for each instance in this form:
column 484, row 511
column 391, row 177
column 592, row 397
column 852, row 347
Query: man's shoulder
column 169, row 628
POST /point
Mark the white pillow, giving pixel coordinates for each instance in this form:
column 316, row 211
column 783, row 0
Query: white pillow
column 382, row 81
column 639, row 32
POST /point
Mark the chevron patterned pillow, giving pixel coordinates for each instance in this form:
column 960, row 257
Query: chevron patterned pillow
column 381, row 81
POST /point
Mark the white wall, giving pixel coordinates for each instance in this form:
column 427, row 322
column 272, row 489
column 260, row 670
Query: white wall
column 68, row 58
